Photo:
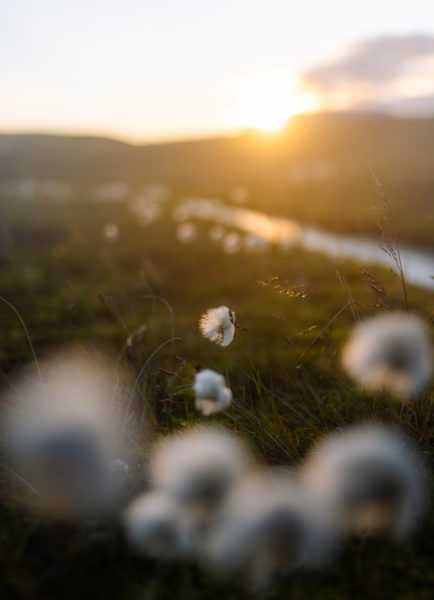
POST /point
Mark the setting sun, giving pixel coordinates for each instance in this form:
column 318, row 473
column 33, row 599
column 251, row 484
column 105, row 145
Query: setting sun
column 265, row 101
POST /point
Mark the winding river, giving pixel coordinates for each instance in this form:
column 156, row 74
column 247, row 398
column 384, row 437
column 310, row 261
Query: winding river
column 418, row 264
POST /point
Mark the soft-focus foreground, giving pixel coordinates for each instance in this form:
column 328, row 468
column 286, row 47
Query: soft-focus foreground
column 195, row 404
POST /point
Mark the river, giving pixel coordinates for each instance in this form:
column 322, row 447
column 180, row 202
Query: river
column 418, row 263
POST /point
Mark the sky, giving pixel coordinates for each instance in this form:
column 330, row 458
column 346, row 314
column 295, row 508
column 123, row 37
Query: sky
column 148, row 71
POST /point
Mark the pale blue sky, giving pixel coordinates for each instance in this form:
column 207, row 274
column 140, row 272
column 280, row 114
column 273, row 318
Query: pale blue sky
column 168, row 69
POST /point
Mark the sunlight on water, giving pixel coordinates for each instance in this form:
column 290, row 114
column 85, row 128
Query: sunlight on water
column 263, row 230
column 272, row 229
column 418, row 265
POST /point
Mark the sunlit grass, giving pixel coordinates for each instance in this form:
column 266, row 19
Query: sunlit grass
column 75, row 286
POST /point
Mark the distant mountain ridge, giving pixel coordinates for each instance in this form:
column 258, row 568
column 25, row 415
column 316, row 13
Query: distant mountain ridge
column 315, row 170
column 383, row 141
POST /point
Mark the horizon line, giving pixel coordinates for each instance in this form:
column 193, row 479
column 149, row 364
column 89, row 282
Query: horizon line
column 136, row 140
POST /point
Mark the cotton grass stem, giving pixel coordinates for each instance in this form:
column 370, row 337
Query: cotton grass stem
column 326, row 326
column 20, row 479
column 142, row 370
column 27, row 335
column 169, row 308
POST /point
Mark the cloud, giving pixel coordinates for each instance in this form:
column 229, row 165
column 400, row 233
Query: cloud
column 417, row 106
column 374, row 61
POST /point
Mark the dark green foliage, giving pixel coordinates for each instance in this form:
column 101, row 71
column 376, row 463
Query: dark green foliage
column 72, row 286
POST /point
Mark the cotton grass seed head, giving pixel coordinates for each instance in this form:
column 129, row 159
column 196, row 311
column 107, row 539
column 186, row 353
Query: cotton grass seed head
column 218, row 325
column 198, row 466
column 211, row 393
column 153, row 526
column 266, row 528
column 391, row 352
column 370, row 479
column 62, row 436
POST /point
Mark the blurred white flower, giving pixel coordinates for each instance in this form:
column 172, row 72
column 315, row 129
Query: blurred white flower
column 268, row 526
column 111, row 232
column 369, row 479
column 146, row 209
column 198, row 466
column 186, row 232
column 218, row 325
column 153, row 525
column 63, row 435
column 211, row 393
column 232, row 242
column 391, row 352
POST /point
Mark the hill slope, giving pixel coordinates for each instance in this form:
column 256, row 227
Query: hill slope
column 314, row 171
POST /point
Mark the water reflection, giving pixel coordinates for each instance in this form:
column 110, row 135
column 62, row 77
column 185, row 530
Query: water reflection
column 264, row 230
column 418, row 265
column 256, row 243
column 272, row 229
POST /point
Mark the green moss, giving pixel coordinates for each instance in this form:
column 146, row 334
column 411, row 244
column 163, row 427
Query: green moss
column 287, row 383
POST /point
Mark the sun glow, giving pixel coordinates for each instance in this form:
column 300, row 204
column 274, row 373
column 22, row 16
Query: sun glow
column 266, row 100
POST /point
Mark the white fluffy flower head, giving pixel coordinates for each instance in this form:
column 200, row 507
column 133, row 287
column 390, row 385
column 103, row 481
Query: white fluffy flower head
column 63, row 435
column 199, row 466
column 153, row 525
column 391, row 352
column 212, row 395
column 370, row 478
column 218, row 325
column 266, row 526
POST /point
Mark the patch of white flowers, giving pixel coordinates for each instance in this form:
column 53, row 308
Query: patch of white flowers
column 198, row 465
column 369, row 479
column 267, row 526
column 65, row 436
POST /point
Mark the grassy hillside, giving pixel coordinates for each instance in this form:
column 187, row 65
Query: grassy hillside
column 314, row 171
